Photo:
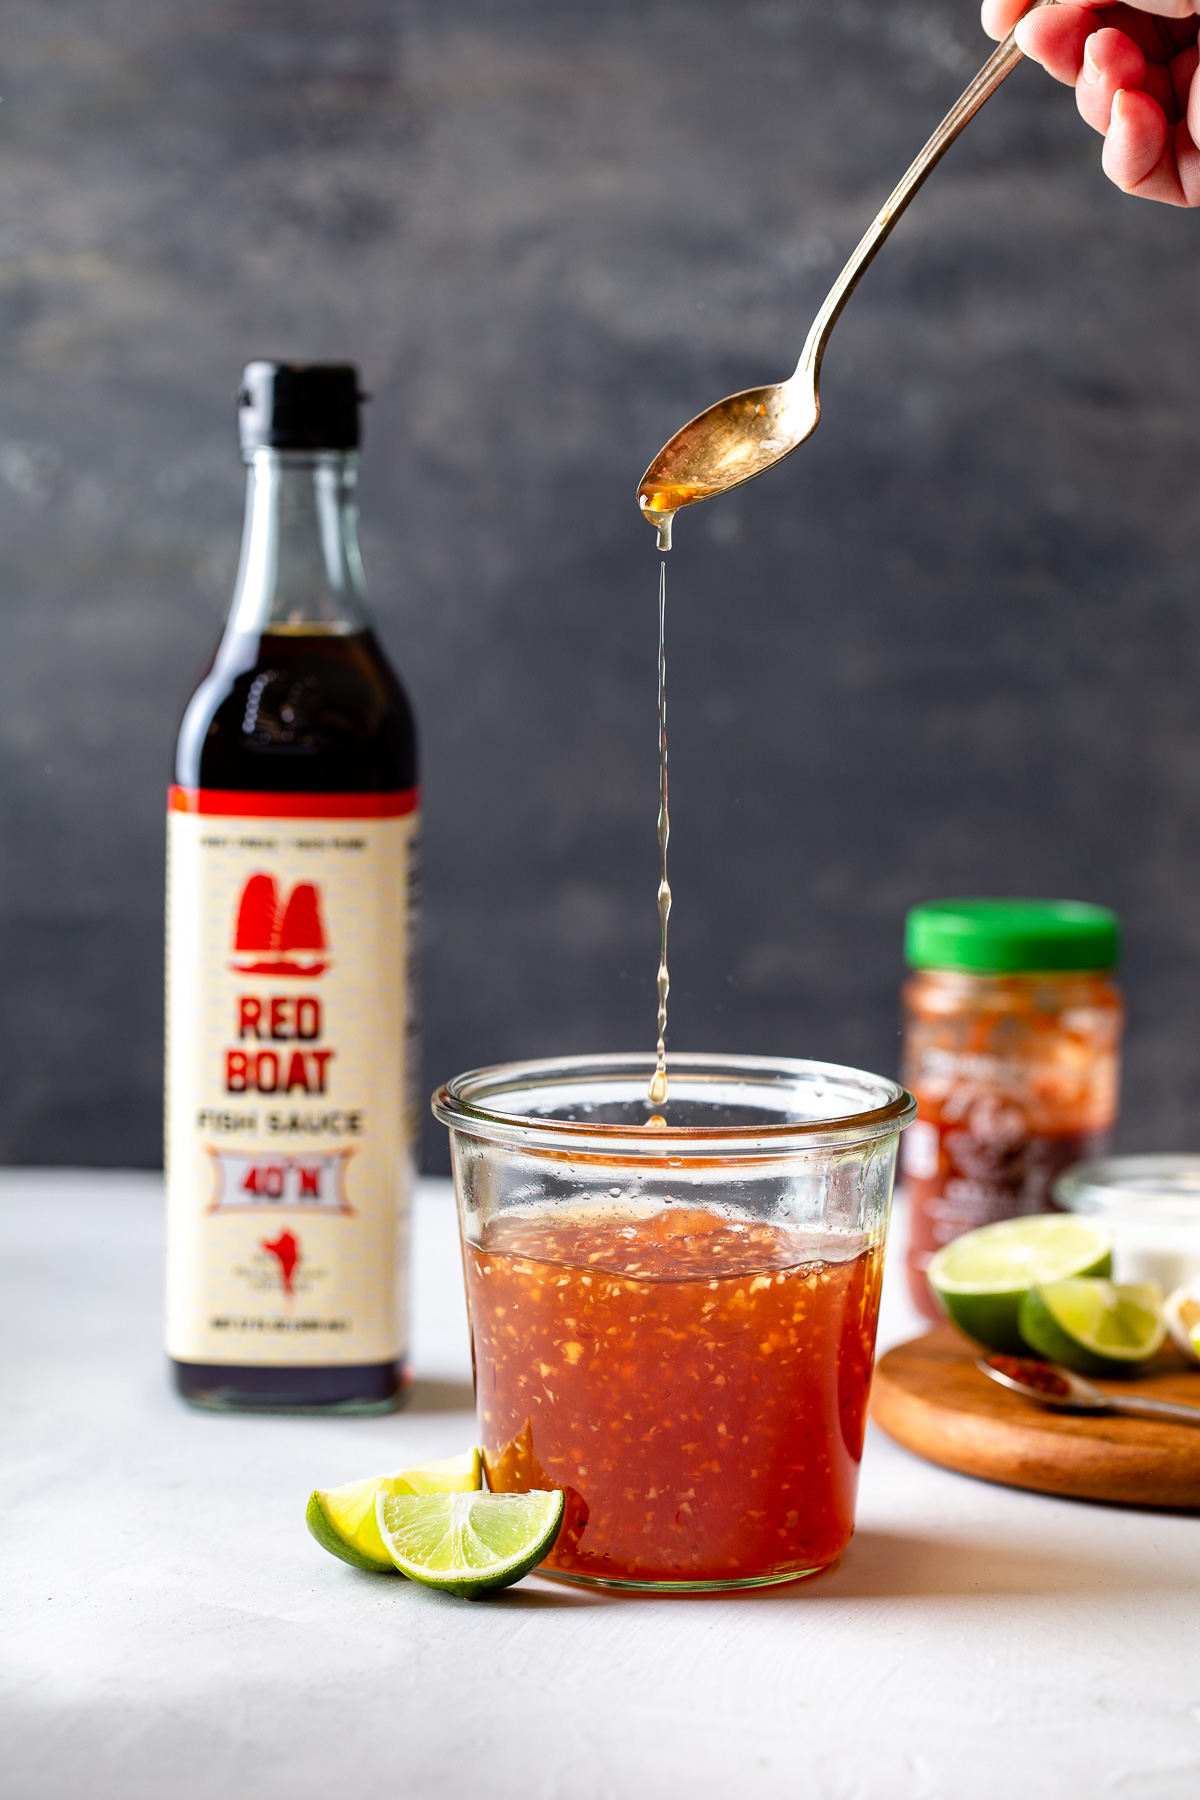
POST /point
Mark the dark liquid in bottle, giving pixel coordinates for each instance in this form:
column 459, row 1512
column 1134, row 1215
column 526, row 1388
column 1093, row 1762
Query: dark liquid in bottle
column 299, row 711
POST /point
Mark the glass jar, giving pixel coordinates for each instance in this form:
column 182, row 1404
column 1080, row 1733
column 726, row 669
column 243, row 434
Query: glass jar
column 1012, row 1033
column 673, row 1317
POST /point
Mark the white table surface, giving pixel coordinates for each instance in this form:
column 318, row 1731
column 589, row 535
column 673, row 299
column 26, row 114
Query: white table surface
column 169, row 1629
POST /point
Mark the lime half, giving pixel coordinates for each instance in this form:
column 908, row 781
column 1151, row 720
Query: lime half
column 1092, row 1326
column 342, row 1519
column 980, row 1277
column 468, row 1544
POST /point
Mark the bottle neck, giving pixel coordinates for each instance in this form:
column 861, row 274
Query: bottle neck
column 300, row 570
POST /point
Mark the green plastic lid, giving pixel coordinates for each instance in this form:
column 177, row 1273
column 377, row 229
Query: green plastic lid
column 1007, row 935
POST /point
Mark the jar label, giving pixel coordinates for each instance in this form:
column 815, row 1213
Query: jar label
column 291, row 1074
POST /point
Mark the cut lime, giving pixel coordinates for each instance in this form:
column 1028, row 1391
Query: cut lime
column 468, row 1544
column 1092, row 1326
column 342, row 1519
column 980, row 1277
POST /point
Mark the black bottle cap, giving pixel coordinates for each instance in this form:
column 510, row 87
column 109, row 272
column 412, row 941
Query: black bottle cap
column 299, row 406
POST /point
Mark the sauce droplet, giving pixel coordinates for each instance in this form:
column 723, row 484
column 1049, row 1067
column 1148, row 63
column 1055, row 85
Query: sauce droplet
column 658, row 515
column 656, row 1122
column 662, row 524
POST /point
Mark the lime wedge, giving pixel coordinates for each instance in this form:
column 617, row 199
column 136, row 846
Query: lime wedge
column 1092, row 1326
column 468, row 1544
column 342, row 1519
column 980, row 1277
column 1182, row 1313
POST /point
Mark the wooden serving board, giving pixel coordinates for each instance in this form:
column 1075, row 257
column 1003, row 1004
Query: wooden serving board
column 930, row 1397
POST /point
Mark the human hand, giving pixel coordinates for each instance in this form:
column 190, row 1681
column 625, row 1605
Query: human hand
column 1133, row 68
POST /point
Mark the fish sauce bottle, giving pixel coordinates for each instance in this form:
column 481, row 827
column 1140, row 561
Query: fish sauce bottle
column 291, row 1020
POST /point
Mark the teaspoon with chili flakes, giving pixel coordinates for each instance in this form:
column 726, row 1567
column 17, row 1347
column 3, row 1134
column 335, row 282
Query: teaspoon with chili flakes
column 1049, row 1385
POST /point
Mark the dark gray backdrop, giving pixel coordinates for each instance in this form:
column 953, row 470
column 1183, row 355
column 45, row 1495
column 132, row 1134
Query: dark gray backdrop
column 953, row 646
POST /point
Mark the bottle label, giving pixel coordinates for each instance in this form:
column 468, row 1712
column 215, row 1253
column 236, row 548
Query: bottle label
column 291, row 1075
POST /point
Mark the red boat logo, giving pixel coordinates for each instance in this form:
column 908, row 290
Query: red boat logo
column 274, row 937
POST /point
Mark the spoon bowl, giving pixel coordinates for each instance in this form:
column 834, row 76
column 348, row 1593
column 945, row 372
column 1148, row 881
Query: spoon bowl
column 1049, row 1384
column 726, row 445
column 1046, row 1383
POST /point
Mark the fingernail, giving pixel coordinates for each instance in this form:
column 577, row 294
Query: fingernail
column 1090, row 72
column 1118, row 107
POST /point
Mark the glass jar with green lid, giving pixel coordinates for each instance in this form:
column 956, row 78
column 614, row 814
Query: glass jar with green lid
column 1012, row 1037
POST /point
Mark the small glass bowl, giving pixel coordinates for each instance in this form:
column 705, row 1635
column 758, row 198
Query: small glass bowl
column 1151, row 1205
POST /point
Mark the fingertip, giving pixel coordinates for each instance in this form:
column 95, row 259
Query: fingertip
column 1193, row 106
column 1054, row 36
column 998, row 17
column 1136, row 138
column 1028, row 40
column 995, row 17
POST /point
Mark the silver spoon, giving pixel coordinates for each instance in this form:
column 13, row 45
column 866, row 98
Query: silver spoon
column 1055, row 1387
column 740, row 437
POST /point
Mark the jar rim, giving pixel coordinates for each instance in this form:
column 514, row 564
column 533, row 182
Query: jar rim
column 871, row 1106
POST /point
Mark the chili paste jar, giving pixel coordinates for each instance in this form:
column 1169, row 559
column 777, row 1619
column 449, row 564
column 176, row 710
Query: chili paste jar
column 1012, row 1037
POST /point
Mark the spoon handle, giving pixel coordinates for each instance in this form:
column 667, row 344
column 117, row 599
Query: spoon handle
column 1154, row 1409
column 998, row 66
